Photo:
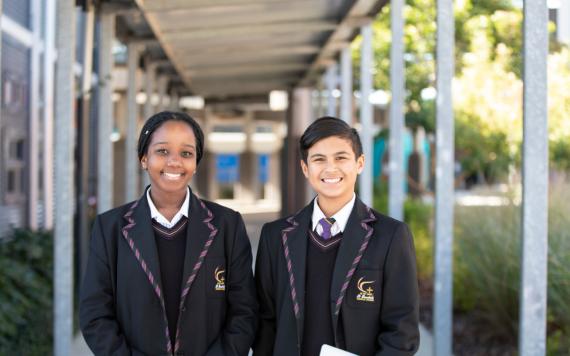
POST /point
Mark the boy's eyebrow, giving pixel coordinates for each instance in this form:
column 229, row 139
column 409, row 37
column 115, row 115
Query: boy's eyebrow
column 334, row 154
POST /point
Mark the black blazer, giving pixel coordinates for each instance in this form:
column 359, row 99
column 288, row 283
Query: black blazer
column 374, row 300
column 121, row 310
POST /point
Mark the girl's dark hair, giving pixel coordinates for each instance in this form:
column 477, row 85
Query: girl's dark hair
column 325, row 127
column 160, row 118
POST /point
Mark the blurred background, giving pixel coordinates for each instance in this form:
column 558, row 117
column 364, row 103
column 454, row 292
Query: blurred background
column 255, row 73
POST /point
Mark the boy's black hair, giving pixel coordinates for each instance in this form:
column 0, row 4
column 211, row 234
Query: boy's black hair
column 156, row 120
column 325, row 127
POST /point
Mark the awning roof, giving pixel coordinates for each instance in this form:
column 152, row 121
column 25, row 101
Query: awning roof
column 227, row 48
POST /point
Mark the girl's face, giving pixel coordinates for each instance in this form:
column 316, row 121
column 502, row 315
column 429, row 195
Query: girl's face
column 171, row 157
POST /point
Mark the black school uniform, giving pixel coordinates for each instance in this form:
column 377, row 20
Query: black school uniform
column 373, row 300
column 122, row 304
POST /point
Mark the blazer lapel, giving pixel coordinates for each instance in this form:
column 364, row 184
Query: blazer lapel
column 294, row 240
column 199, row 232
column 139, row 235
column 354, row 242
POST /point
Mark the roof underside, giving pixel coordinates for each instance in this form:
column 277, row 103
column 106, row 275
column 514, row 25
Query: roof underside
column 238, row 48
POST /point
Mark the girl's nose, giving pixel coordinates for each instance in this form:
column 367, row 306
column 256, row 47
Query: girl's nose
column 173, row 160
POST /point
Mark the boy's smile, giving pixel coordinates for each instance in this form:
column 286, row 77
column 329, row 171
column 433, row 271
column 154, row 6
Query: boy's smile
column 331, row 170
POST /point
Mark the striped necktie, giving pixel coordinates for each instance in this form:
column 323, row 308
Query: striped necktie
column 326, row 225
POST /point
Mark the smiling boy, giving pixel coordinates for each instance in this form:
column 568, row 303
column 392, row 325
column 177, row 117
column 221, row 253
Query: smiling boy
column 336, row 272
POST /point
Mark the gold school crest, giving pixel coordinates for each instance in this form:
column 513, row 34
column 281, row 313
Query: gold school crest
column 220, row 279
column 366, row 293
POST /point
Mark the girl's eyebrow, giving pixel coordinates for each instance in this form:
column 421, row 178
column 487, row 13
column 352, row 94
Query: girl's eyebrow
column 165, row 142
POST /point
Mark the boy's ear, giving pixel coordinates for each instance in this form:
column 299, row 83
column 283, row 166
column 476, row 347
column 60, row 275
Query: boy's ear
column 304, row 168
column 360, row 164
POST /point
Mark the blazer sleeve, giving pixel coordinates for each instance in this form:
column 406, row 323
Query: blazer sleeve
column 400, row 305
column 97, row 317
column 265, row 338
column 240, row 326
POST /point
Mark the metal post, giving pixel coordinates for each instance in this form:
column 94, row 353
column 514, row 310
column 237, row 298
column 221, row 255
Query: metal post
column 346, row 85
column 132, row 167
column 444, row 200
column 532, row 335
column 397, row 80
column 366, row 121
column 105, row 120
column 49, row 90
column 64, row 146
column 331, row 82
column 34, row 168
column 150, row 78
column 1, row 14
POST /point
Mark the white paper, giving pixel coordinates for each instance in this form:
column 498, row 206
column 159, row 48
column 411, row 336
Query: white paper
column 328, row 350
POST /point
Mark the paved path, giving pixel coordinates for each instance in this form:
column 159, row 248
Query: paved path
column 253, row 224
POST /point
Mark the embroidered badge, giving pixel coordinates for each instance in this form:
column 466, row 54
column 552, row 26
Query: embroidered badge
column 366, row 291
column 220, row 279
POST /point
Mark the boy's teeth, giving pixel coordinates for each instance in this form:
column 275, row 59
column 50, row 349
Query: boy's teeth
column 331, row 180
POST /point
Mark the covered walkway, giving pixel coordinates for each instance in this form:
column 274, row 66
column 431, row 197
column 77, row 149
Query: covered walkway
column 255, row 73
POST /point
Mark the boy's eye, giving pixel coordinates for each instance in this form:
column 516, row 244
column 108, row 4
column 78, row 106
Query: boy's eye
column 340, row 158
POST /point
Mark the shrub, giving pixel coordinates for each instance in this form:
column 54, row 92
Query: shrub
column 26, row 298
column 487, row 268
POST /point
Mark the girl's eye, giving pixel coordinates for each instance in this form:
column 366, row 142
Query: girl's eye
column 187, row 154
column 162, row 151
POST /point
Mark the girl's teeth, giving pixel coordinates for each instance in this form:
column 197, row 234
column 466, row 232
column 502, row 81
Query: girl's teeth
column 172, row 175
column 331, row 180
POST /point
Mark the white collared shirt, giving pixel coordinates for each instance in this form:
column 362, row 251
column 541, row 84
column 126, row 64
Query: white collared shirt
column 341, row 216
column 155, row 214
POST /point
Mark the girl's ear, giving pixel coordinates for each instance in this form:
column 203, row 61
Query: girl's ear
column 143, row 163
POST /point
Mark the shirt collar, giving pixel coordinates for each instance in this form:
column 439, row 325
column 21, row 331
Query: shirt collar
column 340, row 217
column 155, row 214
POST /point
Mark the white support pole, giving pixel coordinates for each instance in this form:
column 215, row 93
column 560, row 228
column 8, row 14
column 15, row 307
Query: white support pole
column 33, row 159
column 444, row 199
column 105, row 120
column 132, row 166
column 1, row 14
column 331, row 83
column 533, row 292
column 346, row 85
column 366, row 120
column 396, row 146
column 48, row 113
column 64, row 192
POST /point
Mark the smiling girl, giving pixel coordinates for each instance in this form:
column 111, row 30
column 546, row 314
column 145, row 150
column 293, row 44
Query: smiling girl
column 169, row 274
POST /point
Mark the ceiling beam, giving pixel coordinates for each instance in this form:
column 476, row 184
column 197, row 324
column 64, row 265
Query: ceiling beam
column 176, row 5
column 245, row 30
column 223, row 71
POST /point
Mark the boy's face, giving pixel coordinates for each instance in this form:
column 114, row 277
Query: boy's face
column 331, row 169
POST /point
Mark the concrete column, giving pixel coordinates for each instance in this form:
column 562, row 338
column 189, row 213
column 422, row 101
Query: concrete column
column 444, row 199
column 366, row 122
column 174, row 98
column 346, row 85
column 296, row 191
column 249, row 182
column 34, row 149
column 48, row 117
column 106, row 115
column 162, row 86
column 331, row 83
column 533, row 296
column 396, row 141
column 132, row 165
column 64, row 195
